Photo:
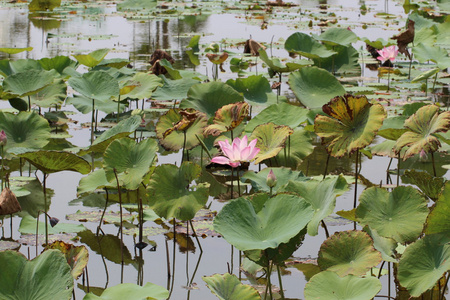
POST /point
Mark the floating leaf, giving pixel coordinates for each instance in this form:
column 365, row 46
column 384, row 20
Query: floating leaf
column 96, row 216
column 271, row 139
column 45, row 277
column 314, row 87
column 131, row 291
column 28, row 226
column 282, row 217
column 399, row 214
column 227, row 118
column 328, row 285
column 228, row 286
column 348, row 252
column 351, row 124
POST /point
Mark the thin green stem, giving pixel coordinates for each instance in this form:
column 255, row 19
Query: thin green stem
column 280, row 281
column 434, row 165
column 121, row 231
column 45, row 209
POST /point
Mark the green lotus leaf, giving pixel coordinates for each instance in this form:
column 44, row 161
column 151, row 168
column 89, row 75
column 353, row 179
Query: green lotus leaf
column 399, row 214
column 15, row 50
column 51, row 95
column 108, row 246
column 58, row 63
column 306, row 46
column 51, row 161
column 228, row 118
column 209, row 97
column 425, row 75
column 298, row 146
column 228, row 286
column 95, row 85
column 92, row 59
column 113, row 63
column 283, row 175
column 351, row 124
column 422, row 127
column 76, row 256
column 33, row 203
column 429, row 185
column 386, row 246
column 337, row 36
column 95, row 180
column 45, row 277
column 346, row 60
column 170, row 193
column 26, row 129
column 423, row 53
column 255, row 88
column 173, row 89
column 129, row 5
column 385, row 148
column 122, row 129
column 438, row 221
column 423, row 263
column 131, row 291
column 145, row 83
column 348, row 252
column 175, row 123
column 8, row 67
column 393, row 128
column 28, row 226
column 95, row 216
column 276, row 65
column 321, row 195
column 282, row 217
column 279, row 114
column 28, row 83
column 84, row 104
column 328, row 285
column 131, row 161
column 314, row 87
column 271, row 139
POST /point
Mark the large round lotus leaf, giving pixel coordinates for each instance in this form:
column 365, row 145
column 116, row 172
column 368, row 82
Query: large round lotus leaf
column 429, row 185
column 346, row 60
column 438, row 220
column 8, row 67
column 45, row 277
column 209, row 97
column 314, row 87
column 51, row 161
column 279, row 114
column 131, row 291
column 306, row 46
column 15, row 50
column 131, row 161
column 281, row 218
column 58, row 63
column 337, row 36
column 283, row 176
column 122, row 129
column 276, row 65
column 228, row 286
column 173, row 125
column 255, row 88
column 95, row 180
column 76, row 256
column 92, row 59
column 386, row 246
column 351, row 124
column 29, row 82
column 84, row 104
column 423, row 263
column 399, row 214
column 170, row 194
column 51, row 95
column 424, row 53
column 227, row 118
column 173, row 89
column 328, row 285
column 271, row 139
column 348, row 252
column 96, row 85
column 145, row 83
column 422, row 127
column 321, row 195
column 26, row 129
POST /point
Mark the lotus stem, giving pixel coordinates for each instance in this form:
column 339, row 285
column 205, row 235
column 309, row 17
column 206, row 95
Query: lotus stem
column 445, row 286
column 280, row 281
column 381, row 269
column 141, row 216
column 168, row 264
column 45, row 209
column 121, row 231
column 410, row 65
column 29, row 103
column 232, row 260
column 327, row 234
column 238, row 181
column 92, row 121
column 398, row 169
column 326, row 167
column 389, row 75
column 196, row 237
column 2, row 168
column 184, row 145
column 434, row 82
column 356, row 184
column 389, row 279
column 187, row 255
column 231, row 196
column 173, row 258
column 118, row 109
column 434, row 165
column 99, row 228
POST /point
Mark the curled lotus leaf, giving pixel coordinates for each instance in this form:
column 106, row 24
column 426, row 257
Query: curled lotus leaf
column 176, row 125
column 76, row 256
column 351, row 124
column 271, row 139
column 399, row 214
column 422, row 128
column 93, row 58
column 228, row 286
column 348, row 252
column 304, row 45
column 216, row 58
column 227, row 118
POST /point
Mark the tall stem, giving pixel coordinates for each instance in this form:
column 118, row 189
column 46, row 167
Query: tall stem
column 356, row 185
column 238, row 181
column 2, row 168
column 434, row 165
column 45, row 209
column 121, row 231
column 92, row 121
column 118, row 109
column 280, row 281
column 29, row 103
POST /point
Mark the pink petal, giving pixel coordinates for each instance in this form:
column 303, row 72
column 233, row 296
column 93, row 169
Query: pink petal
column 243, row 142
column 245, row 153
column 224, row 145
column 253, row 153
column 236, row 155
column 229, row 153
column 253, row 143
column 222, row 160
column 234, row 164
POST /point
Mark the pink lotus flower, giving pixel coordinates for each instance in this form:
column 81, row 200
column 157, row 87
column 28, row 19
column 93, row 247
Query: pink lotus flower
column 386, row 53
column 3, row 138
column 237, row 152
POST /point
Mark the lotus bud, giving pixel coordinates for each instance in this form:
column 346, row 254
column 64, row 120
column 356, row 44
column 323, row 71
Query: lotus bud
column 53, row 221
column 3, row 138
column 271, row 180
column 423, row 155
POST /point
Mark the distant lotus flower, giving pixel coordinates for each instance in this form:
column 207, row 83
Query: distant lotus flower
column 271, row 179
column 386, row 53
column 237, row 152
column 3, row 138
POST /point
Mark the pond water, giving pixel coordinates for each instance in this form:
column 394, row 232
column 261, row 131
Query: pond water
column 80, row 27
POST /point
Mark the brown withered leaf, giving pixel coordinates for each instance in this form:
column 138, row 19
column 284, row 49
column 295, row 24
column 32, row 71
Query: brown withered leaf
column 8, row 202
column 252, row 47
column 157, row 55
column 227, row 118
column 216, row 58
column 188, row 117
column 404, row 38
